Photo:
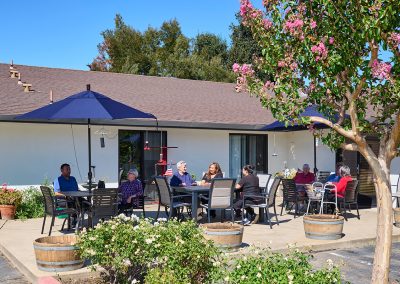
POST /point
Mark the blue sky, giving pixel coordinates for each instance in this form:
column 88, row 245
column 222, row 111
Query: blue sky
column 65, row 33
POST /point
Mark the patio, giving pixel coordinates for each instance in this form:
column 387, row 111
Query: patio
column 16, row 238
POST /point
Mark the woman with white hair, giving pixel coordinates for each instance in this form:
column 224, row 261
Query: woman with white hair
column 345, row 177
column 131, row 190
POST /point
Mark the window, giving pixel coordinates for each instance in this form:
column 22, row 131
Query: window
column 247, row 149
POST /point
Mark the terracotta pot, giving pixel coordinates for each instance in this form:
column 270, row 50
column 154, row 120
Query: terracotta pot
column 7, row 212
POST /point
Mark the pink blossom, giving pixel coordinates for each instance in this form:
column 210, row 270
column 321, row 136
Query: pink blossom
column 267, row 24
column 293, row 66
column 331, row 40
column 245, row 7
column 394, row 39
column 281, row 64
column 268, row 85
column 321, row 51
column 313, row 24
column 236, row 68
column 381, row 70
column 247, row 70
column 293, row 27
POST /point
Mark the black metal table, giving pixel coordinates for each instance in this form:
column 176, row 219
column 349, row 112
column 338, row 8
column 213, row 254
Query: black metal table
column 78, row 198
column 194, row 190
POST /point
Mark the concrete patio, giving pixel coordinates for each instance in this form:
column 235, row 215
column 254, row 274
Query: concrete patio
column 16, row 238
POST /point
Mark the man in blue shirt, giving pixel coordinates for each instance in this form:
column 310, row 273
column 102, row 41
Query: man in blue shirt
column 336, row 176
column 65, row 182
column 182, row 177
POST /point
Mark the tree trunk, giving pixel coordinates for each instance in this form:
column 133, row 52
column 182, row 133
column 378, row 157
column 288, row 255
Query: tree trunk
column 383, row 247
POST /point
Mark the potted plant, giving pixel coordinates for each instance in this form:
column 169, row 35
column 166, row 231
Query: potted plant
column 9, row 201
column 323, row 226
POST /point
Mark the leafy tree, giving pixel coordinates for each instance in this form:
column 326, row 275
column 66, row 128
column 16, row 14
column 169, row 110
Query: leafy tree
column 329, row 53
column 209, row 46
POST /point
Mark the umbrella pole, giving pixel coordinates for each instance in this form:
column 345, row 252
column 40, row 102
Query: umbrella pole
column 315, row 155
column 90, row 158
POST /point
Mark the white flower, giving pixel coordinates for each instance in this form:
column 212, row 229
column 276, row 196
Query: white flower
column 290, row 277
column 259, row 268
column 157, row 245
column 136, row 227
column 258, row 275
column 134, row 281
column 149, row 241
column 121, row 216
column 238, row 267
column 226, row 278
column 243, row 277
column 216, row 263
column 92, row 238
column 162, row 220
column 91, row 252
column 127, row 262
column 156, row 224
column 329, row 263
column 135, row 218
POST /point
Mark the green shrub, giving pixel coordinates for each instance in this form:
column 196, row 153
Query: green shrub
column 32, row 205
column 262, row 266
column 132, row 250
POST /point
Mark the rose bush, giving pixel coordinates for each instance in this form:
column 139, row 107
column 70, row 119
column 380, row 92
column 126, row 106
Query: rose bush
column 135, row 250
column 9, row 196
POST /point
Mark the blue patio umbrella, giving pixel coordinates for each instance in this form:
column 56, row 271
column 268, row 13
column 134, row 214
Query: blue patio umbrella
column 86, row 105
column 279, row 126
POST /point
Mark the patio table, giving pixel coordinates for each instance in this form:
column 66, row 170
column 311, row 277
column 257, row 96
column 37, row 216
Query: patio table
column 194, row 190
column 78, row 198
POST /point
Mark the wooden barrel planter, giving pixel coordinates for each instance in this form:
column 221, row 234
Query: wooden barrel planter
column 323, row 226
column 224, row 235
column 396, row 213
column 57, row 254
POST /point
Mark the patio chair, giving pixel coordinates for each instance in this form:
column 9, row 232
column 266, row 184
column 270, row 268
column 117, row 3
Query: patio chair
column 327, row 188
column 315, row 195
column 172, row 203
column 322, row 176
column 220, row 196
column 264, row 181
column 350, row 198
column 291, row 195
column 268, row 200
column 55, row 206
column 397, row 193
column 104, row 204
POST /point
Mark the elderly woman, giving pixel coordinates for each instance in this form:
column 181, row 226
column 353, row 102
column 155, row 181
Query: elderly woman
column 340, row 190
column 131, row 190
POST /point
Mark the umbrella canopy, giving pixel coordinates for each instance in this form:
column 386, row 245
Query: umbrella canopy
column 86, row 105
column 309, row 111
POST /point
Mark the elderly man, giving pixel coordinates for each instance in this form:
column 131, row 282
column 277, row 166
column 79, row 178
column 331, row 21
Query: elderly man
column 305, row 176
column 182, row 177
column 65, row 182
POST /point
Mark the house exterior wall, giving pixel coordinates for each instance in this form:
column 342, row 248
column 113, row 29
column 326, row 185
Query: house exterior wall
column 31, row 153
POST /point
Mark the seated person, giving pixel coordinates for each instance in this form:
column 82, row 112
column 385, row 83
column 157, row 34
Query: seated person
column 131, row 191
column 336, row 176
column 305, row 176
column 182, row 177
column 65, row 182
column 340, row 190
column 249, row 184
column 214, row 171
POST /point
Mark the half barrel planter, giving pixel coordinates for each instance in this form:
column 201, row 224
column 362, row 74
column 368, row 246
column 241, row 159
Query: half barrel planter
column 323, row 226
column 227, row 236
column 396, row 214
column 57, row 253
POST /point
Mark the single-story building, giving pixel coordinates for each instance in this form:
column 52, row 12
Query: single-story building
column 205, row 121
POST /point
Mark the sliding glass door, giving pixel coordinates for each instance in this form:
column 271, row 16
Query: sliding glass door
column 247, row 149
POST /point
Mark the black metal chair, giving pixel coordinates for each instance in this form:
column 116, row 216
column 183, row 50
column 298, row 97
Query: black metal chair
column 104, row 204
column 268, row 200
column 172, row 203
column 55, row 206
column 291, row 196
column 220, row 196
column 396, row 195
column 350, row 198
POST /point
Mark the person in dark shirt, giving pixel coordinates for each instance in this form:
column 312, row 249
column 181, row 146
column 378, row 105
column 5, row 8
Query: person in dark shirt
column 182, row 177
column 131, row 191
column 336, row 176
column 214, row 171
column 248, row 185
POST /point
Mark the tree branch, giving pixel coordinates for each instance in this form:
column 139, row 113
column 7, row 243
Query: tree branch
column 394, row 139
column 346, row 133
column 349, row 147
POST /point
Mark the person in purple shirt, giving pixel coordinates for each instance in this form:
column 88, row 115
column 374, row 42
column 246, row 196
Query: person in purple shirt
column 182, row 177
column 131, row 190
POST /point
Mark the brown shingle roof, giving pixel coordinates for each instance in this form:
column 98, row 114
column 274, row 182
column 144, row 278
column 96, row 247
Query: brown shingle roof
column 170, row 99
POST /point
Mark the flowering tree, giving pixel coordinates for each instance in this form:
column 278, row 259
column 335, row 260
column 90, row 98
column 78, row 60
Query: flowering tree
column 342, row 56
